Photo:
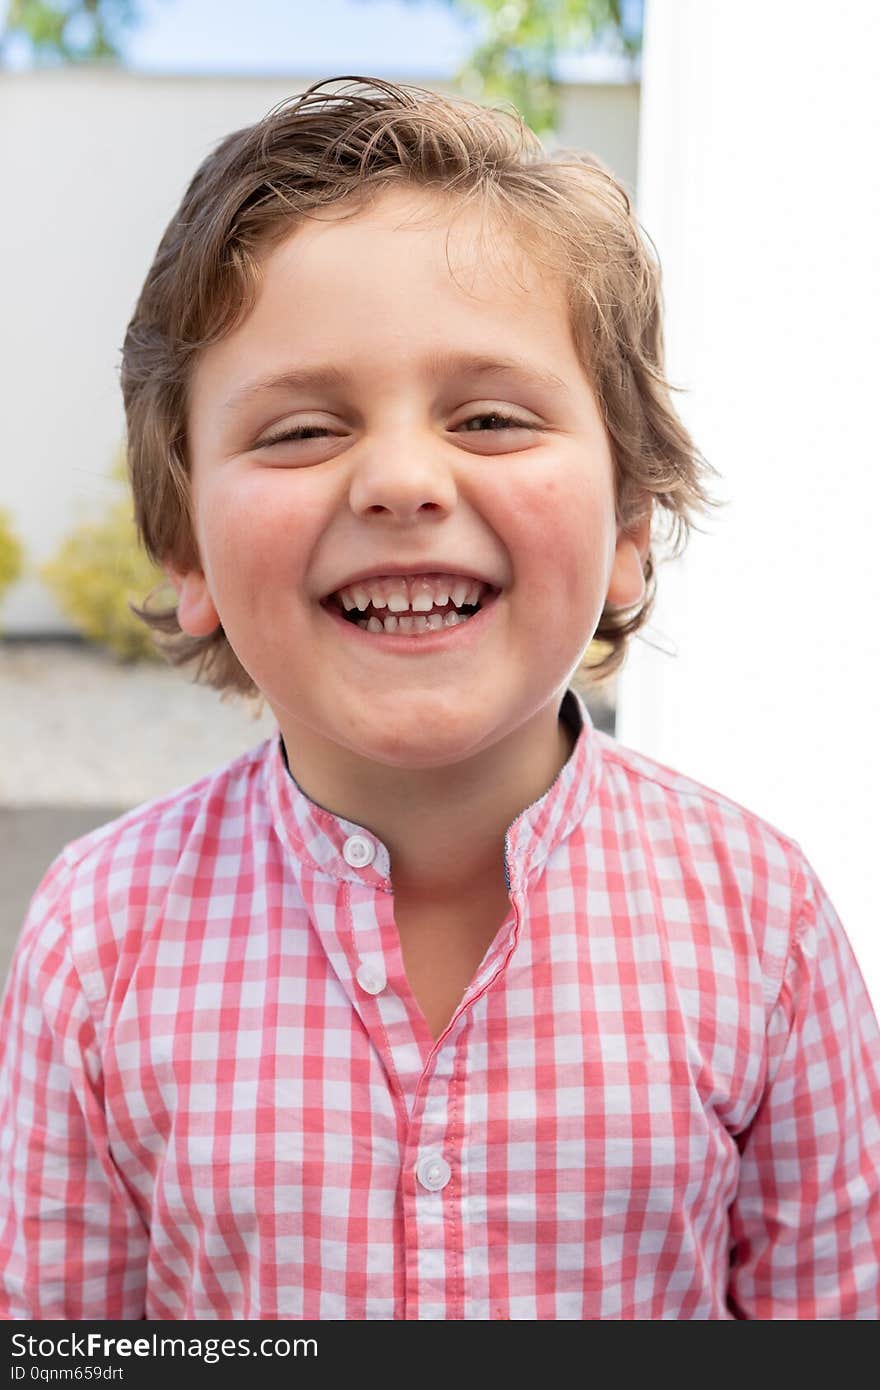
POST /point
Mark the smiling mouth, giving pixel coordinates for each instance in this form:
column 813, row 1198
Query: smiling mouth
column 399, row 615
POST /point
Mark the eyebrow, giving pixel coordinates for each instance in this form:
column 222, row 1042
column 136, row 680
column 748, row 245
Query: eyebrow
column 327, row 374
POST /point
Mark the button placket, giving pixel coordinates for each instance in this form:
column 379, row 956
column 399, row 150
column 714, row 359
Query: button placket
column 359, row 851
column 432, row 1193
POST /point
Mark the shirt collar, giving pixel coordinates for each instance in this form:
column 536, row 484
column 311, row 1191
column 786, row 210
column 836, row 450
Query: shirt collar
column 344, row 850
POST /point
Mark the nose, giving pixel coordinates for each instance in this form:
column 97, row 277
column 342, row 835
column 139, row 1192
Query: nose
column 402, row 478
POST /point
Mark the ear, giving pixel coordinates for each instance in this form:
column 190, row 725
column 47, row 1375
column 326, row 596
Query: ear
column 626, row 585
column 196, row 613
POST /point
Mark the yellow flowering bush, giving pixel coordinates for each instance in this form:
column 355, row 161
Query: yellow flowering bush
column 11, row 553
column 97, row 568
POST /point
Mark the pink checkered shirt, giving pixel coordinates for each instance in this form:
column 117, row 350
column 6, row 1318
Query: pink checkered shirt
column 659, row 1097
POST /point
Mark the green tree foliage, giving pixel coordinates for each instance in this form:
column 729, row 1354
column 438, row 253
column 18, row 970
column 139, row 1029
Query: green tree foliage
column 522, row 39
column 72, row 31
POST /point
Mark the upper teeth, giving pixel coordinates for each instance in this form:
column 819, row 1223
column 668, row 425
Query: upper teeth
column 416, row 594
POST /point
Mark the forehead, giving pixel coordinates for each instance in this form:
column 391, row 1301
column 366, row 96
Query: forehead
column 467, row 245
column 379, row 289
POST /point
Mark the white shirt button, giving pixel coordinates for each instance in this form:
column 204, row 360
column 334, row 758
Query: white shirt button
column 433, row 1172
column 370, row 979
column 358, row 851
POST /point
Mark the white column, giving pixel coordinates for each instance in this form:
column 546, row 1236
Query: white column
column 759, row 182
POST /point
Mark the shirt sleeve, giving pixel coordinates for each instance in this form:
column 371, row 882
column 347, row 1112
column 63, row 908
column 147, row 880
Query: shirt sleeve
column 72, row 1244
column 805, row 1223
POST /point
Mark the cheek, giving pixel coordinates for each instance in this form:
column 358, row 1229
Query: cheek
column 561, row 526
column 258, row 526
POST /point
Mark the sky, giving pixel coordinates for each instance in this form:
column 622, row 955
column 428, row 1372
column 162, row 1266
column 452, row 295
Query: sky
column 300, row 35
column 425, row 38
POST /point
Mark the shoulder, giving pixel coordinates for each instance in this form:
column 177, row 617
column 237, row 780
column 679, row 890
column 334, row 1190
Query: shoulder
column 149, row 834
column 667, row 799
column 703, row 849
column 104, row 890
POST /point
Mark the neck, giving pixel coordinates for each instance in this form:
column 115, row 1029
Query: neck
column 444, row 827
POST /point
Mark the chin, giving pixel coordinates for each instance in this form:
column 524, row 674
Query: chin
column 421, row 747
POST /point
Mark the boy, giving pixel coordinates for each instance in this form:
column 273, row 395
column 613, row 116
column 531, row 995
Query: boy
column 440, row 1004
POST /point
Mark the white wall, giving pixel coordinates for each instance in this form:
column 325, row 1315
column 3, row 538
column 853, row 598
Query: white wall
column 92, row 165
column 759, row 183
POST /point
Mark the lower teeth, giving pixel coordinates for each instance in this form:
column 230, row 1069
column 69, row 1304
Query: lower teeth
column 412, row 625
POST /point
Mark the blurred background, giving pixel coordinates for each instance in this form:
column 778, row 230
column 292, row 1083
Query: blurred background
column 746, row 134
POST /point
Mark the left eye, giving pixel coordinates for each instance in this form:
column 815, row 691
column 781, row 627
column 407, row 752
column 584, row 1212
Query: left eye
column 504, row 422
column 303, row 432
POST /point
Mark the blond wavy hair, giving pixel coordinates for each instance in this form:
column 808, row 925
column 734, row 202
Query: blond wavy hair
column 328, row 146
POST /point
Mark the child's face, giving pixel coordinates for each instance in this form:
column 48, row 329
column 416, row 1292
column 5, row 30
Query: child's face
column 398, row 477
